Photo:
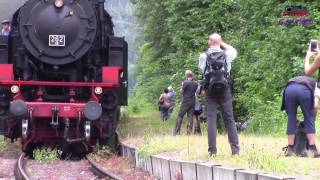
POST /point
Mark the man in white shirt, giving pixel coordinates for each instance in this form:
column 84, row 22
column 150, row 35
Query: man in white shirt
column 225, row 100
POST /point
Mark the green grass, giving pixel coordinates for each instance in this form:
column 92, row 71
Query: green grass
column 139, row 106
column 262, row 153
column 3, row 143
column 145, row 126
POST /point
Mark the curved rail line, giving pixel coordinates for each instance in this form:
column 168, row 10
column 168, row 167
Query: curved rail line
column 101, row 170
column 20, row 172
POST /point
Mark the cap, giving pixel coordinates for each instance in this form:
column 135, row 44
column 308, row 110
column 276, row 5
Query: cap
column 170, row 88
column 5, row 21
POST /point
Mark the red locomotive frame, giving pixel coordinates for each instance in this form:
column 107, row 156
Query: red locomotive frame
column 73, row 110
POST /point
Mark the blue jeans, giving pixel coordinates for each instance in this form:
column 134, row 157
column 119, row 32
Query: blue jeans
column 299, row 95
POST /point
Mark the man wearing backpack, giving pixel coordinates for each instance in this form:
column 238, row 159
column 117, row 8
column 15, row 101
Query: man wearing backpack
column 215, row 65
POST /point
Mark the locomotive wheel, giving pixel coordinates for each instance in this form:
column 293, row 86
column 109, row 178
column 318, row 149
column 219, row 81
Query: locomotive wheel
column 4, row 115
column 4, row 111
column 111, row 119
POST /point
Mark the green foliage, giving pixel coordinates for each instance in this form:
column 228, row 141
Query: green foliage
column 145, row 127
column 269, row 54
column 266, row 161
column 140, row 105
column 3, row 143
column 46, row 154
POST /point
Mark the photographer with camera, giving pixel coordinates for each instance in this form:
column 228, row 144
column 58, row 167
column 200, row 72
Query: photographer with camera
column 303, row 91
column 188, row 89
column 215, row 65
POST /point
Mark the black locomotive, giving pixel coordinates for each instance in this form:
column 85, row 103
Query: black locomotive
column 63, row 75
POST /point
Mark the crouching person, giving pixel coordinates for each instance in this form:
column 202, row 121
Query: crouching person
column 301, row 91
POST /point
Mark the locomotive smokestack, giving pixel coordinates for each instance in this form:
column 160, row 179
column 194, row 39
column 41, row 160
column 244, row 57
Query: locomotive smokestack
column 103, row 20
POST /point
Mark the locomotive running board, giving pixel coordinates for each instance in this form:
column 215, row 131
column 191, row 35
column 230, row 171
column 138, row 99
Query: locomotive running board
column 110, row 79
column 66, row 84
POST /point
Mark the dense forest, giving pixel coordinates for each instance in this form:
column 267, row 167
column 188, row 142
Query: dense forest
column 176, row 32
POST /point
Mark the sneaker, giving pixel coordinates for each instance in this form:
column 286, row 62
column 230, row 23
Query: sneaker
column 289, row 151
column 313, row 151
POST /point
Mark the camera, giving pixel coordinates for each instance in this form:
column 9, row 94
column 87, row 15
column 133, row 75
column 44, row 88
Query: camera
column 314, row 45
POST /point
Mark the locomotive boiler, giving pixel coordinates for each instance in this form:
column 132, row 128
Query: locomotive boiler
column 63, row 75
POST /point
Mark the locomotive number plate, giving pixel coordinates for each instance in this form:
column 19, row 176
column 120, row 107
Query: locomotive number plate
column 57, row 40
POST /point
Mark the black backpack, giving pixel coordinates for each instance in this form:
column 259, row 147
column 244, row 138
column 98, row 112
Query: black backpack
column 301, row 142
column 216, row 73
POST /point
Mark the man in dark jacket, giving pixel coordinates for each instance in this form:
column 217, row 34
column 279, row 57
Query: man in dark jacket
column 188, row 90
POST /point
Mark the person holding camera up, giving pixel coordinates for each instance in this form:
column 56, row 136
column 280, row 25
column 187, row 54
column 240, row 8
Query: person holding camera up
column 313, row 51
column 215, row 65
column 302, row 91
column 188, row 90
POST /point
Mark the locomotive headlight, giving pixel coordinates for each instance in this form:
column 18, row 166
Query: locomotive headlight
column 98, row 90
column 58, row 3
column 14, row 89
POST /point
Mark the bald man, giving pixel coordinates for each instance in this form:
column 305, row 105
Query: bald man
column 224, row 100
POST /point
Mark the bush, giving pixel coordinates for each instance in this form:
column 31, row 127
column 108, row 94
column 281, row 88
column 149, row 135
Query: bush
column 140, row 105
column 267, row 118
column 46, row 154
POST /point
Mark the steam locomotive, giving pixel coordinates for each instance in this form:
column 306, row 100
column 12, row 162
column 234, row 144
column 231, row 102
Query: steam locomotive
column 63, row 75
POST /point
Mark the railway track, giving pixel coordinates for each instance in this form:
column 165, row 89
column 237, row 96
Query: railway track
column 101, row 173
column 101, row 170
column 20, row 172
